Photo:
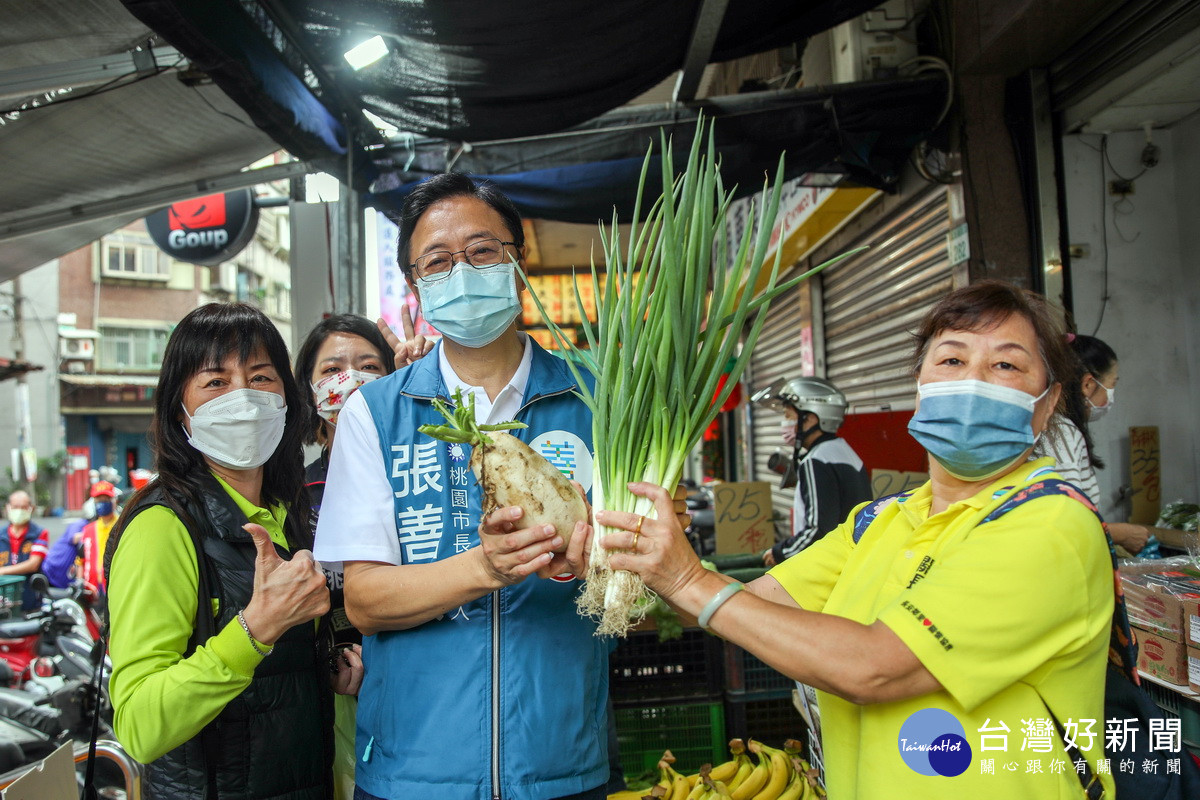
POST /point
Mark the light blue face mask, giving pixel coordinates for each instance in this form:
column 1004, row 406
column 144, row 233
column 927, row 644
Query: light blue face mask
column 974, row 429
column 473, row 306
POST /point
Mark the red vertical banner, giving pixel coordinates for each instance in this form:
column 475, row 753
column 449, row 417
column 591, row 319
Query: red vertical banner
column 78, row 465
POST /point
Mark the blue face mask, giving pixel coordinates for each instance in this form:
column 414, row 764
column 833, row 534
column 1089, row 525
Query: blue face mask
column 103, row 508
column 473, row 306
column 974, row 429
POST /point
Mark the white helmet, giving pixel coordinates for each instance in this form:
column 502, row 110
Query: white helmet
column 814, row 395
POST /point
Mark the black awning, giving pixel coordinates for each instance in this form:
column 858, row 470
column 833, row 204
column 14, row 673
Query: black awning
column 861, row 133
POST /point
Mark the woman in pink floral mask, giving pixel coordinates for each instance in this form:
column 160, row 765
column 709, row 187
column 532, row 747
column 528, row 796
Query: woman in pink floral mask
column 340, row 354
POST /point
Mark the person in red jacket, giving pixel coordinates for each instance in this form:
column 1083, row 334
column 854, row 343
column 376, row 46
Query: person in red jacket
column 23, row 544
column 94, row 536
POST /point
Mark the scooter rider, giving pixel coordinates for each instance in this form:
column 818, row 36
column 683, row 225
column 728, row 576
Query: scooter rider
column 23, row 544
column 829, row 476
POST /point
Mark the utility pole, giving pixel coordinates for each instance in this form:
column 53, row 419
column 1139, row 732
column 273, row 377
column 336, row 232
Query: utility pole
column 24, row 423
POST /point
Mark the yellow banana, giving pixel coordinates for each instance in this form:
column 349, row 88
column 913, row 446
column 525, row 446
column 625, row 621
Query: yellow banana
column 795, row 789
column 680, row 788
column 720, row 791
column 723, row 772
column 780, row 768
column 755, row 781
column 744, row 765
column 812, row 789
column 629, row 794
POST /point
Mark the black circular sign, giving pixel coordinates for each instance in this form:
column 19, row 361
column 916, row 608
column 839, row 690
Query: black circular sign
column 205, row 230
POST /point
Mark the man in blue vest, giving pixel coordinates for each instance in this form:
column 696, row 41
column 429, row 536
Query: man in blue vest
column 23, row 544
column 482, row 681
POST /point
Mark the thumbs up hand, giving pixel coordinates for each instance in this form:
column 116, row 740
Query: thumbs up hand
column 286, row 593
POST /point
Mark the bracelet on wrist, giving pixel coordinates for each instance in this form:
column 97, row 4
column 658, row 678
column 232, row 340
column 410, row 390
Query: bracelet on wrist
column 250, row 636
column 718, row 600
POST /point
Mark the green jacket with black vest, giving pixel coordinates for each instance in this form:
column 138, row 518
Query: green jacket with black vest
column 274, row 740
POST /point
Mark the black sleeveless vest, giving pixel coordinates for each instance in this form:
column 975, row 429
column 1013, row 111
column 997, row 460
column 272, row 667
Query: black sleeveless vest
column 275, row 739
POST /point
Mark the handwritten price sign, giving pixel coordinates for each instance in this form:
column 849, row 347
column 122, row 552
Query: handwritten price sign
column 889, row 481
column 1145, row 474
column 742, row 514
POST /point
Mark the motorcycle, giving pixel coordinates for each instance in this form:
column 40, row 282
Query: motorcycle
column 47, row 661
column 702, row 532
column 32, row 727
column 51, row 644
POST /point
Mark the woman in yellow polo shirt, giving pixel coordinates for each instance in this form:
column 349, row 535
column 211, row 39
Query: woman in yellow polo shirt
column 943, row 651
column 218, row 684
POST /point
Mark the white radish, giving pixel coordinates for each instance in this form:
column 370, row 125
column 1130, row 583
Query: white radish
column 510, row 472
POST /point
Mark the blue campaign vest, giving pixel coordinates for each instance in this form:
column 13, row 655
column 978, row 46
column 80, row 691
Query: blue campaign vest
column 425, row 713
column 29, row 600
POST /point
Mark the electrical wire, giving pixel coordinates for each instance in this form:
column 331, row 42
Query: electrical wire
column 208, row 103
column 115, row 83
column 1103, row 231
column 926, row 64
column 1104, row 150
column 920, row 153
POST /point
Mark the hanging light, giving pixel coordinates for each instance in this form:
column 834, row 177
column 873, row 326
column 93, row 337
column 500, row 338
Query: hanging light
column 367, row 53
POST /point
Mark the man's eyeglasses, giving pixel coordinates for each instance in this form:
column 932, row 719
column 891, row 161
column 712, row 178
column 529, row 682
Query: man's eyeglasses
column 437, row 265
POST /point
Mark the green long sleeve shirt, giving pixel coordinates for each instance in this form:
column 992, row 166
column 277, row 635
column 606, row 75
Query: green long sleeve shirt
column 161, row 699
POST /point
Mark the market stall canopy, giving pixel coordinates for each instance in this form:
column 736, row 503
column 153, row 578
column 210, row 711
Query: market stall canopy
column 861, row 132
column 96, row 127
column 489, row 88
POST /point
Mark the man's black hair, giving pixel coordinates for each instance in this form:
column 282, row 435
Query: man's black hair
column 442, row 187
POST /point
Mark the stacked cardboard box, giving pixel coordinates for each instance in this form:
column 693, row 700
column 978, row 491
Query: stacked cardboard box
column 1163, row 598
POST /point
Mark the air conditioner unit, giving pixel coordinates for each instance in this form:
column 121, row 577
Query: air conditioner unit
column 77, row 345
column 874, row 45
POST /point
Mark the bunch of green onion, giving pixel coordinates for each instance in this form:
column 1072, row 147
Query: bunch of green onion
column 661, row 341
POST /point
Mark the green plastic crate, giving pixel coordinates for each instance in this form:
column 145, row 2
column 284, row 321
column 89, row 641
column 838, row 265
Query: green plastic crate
column 1175, row 704
column 11, row 587
column 694, row 733
column 746, row 674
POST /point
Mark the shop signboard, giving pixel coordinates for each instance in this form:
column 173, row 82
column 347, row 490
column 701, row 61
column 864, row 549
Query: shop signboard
column 205, row 230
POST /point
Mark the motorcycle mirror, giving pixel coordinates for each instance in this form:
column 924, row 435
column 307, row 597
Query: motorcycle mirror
column 39, row 584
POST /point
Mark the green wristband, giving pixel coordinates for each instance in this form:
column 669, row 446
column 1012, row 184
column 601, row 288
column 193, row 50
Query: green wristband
column 718, row 600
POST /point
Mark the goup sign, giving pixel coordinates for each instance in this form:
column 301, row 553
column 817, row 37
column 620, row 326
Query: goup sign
column 205, row 230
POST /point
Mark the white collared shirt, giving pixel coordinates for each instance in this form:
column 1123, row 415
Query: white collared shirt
column 507, row 402
column 357, row 521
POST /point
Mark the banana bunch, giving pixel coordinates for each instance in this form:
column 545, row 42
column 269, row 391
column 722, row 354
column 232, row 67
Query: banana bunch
column 779, row 774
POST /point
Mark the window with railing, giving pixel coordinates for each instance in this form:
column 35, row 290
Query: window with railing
column 121, row 349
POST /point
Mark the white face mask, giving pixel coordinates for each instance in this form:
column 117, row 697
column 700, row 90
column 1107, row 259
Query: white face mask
column 330, row 392
column 239, row 429
column 787, row 430
column 19, row 516
column 1099, row 411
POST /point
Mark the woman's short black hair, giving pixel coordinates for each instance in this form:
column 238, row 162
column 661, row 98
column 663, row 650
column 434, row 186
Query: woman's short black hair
column 202, row 340
column 306, row 359
column 1096, row 357
column 441, row 187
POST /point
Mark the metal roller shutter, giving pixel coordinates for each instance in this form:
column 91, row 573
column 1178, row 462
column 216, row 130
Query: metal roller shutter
column 873, row 302
column 776, row 354
column 870, row 304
